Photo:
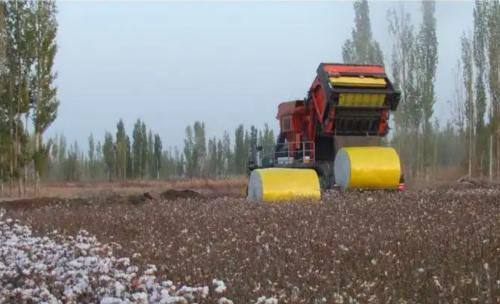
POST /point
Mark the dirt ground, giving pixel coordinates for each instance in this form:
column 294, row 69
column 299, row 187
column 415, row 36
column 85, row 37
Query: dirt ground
column 207, row 187
column 417, row 246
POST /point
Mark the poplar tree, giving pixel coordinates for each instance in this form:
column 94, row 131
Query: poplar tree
column 479, row 43
column 212, row 166
column 91, row 156
column 404, row 69
column 427, row 65
column 19, row 54
column 200, row 147
column 137, row 149
column 239, row 150
column 470, row 108
column 157, row 155
column 121, row 150
column 129, row 158
column 492, row 10
column 151, row 171
column 228, row 156
column 362, row 48
column 108, row 150
column 190, row 155
column 144, row 150
column 43, row 91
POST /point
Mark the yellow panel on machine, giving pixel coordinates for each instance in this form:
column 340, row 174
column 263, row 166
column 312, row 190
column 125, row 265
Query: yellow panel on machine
column 283, row 184
column 365, row 82
column 361, row 100
column 367, row 167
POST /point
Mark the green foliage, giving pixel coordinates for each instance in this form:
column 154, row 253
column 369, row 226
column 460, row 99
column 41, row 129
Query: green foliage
column 157, row 155
column 404, row 70
column 109, row 153
column 240, row 154
column 216, row 158
column 427, row 54
column 491, row 11
column 121, row 150
column 27, row 92
column 478, row 45
column 362, row 48
column 190, row 153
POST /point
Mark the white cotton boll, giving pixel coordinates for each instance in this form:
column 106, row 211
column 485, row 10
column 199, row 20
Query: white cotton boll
column 220, row 286
column 168, row 283
column 140, row 297
column 224, row 301
column 205, row 291
column 111, row 300
column 151, row 269
column 77, row 266
column 132, row 269
column 264, row 300
column 123, row 261
column 118, row 289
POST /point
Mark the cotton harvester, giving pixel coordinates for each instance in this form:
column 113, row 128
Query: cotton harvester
column 332, row 137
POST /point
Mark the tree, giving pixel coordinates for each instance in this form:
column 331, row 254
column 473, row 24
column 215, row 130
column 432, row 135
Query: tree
column 479, row 41
column 362, row 48
column 267, row 141
column 404, row 68
column 220, row 163
column 239, row 150
column 92, row 157
column 493, row 51
column 108, row 150
column 212, row 166
column 492, row 11
column 19, row 55
column 427, row 51
column 144, row 150
column 137, row 149
column 43, row 91
column 467, row 63
column 121, row 150
column 200, row 147
column 157, row 155
column 129, row 172
column 190, row 154
column 458, row 102
column 228, row 157
column 150, row 156
column 70, row 165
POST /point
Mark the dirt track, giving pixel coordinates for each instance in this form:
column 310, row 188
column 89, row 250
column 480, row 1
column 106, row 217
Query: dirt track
column 418, row 246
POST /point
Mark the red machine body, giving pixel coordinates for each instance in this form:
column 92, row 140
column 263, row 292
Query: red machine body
column 343, row 100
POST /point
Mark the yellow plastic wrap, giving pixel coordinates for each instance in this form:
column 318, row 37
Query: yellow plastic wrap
column 366, row 82
column 283, row 184
column 367, row 167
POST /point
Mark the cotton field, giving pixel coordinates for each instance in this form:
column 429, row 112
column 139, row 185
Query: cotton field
column 57, row 269
column 420, row 246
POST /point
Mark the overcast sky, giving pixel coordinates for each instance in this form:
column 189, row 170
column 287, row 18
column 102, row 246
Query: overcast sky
column 223, row 63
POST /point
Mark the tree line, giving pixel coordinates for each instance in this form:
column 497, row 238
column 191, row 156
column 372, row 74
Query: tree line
column 466, row 140
column 28, row 102
column 142, row 156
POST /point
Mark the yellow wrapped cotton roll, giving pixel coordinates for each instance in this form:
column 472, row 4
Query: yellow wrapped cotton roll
column 283, row 184
column 367, row 167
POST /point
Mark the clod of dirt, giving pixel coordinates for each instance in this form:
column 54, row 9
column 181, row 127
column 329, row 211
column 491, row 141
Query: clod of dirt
column 30, row 203
column 140, row 199
column 172, row 194
column 113, row 198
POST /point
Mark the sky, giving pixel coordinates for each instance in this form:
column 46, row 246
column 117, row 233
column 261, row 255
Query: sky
column 224, row 63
